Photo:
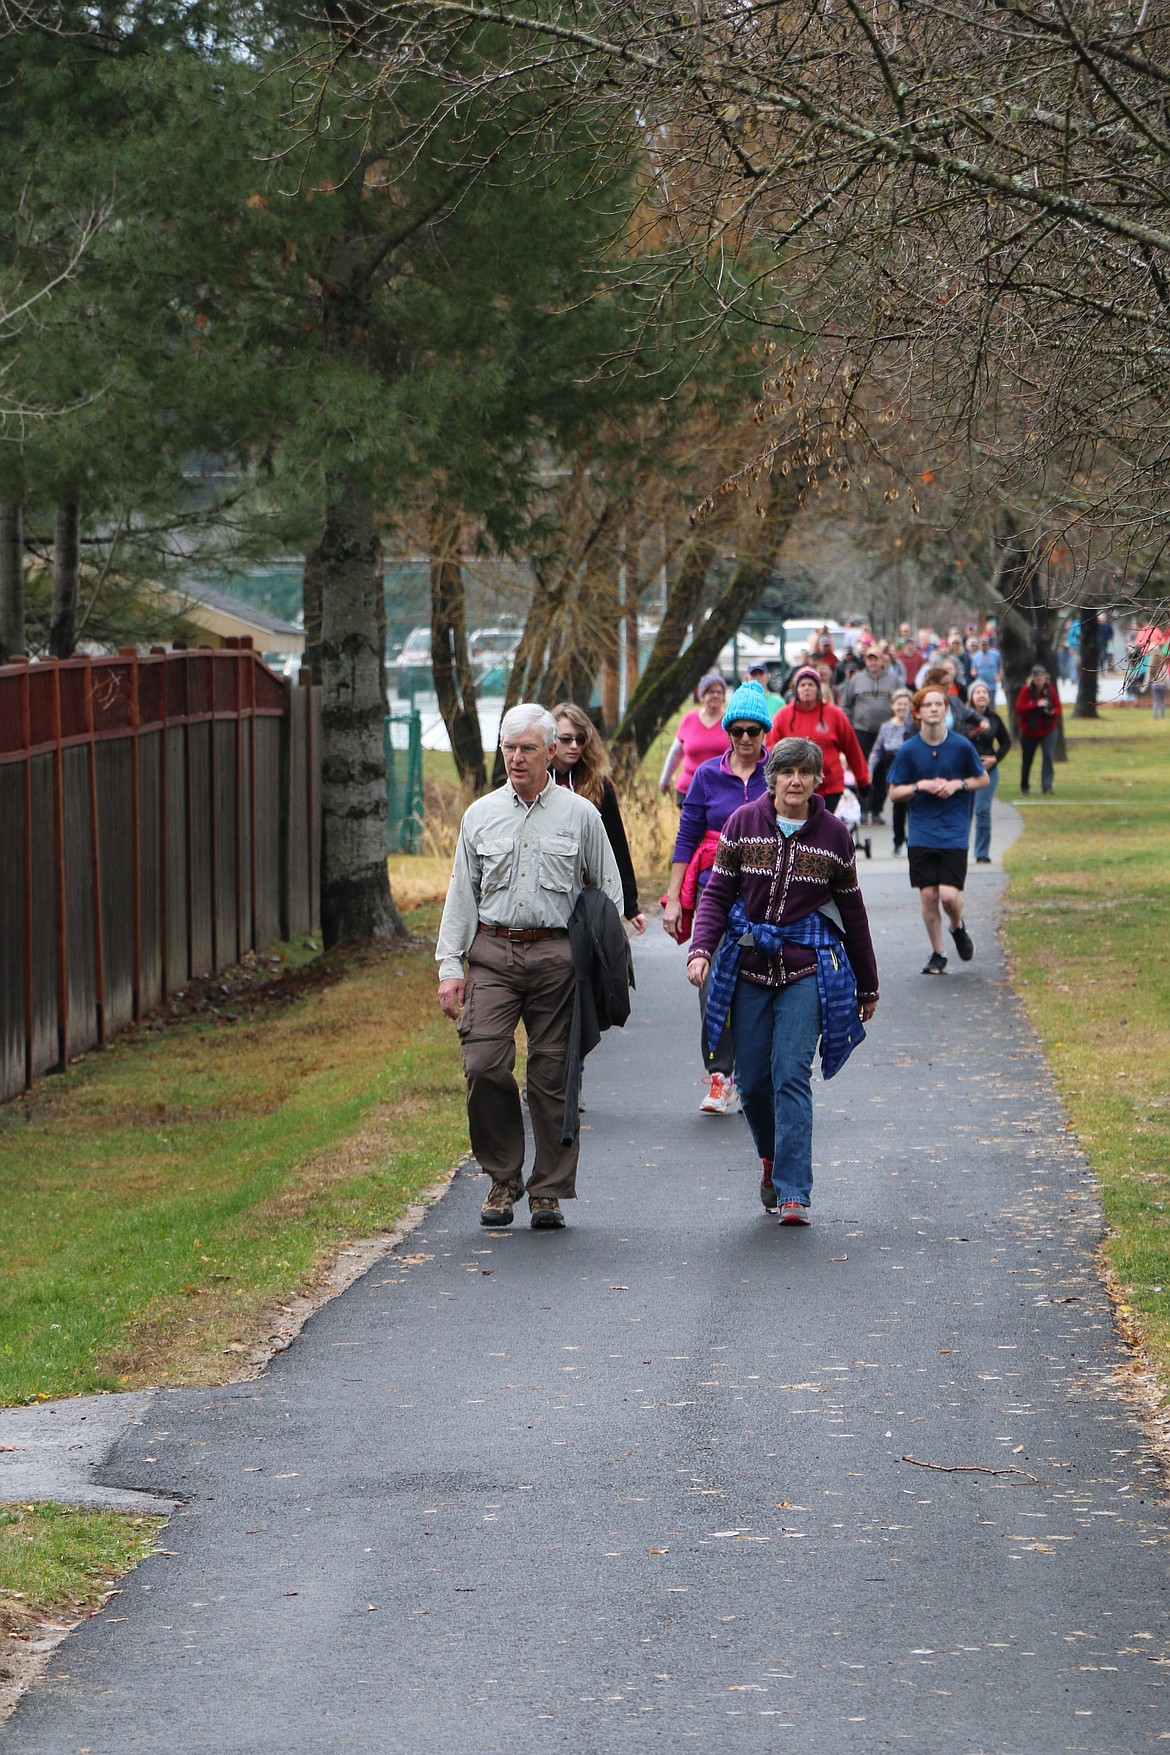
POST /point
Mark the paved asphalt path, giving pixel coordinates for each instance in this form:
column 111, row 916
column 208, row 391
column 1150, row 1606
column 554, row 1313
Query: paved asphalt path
column 645, row 1484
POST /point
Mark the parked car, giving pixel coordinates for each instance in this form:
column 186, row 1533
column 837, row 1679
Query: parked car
column 798, row 634
column 745, row 650
column 411, row 670
column 490, row 647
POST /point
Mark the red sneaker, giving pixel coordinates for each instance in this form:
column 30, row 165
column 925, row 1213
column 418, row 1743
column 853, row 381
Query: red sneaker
column 792, row 1213
column 768, row 1195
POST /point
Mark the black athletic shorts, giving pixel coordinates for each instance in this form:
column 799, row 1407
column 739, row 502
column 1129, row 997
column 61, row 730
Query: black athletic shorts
column 937, row 865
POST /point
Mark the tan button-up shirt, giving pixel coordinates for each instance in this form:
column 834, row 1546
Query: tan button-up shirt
column 522, row 865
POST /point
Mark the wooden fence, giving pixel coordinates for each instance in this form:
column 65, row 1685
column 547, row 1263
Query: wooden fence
column 159, row 816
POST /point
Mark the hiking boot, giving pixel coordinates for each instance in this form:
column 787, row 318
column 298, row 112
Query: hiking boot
column 768, row 1197
column 715, row 1102
column 792, row 1213
column 544, row 1213
column 937, row 964
column 497, row 1209
column 964, row 943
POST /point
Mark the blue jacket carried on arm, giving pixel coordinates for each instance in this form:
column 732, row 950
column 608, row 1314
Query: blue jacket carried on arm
column 841, row 1028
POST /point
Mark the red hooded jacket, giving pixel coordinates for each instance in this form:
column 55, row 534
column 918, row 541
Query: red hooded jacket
column 1036, row 715
column 828, row 727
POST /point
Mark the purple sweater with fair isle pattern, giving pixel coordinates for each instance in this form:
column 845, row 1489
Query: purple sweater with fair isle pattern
column 782, row 878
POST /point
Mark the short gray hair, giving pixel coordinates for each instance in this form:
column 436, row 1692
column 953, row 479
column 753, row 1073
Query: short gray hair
column 795, row 752
column 523, row 717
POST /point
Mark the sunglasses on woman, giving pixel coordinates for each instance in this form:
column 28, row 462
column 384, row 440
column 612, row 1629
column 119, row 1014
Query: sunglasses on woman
column 745, row 731
column 581, row 737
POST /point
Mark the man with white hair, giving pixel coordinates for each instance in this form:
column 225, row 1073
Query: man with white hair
column 523, row 857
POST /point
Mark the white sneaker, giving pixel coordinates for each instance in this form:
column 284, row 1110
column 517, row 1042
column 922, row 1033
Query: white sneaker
column 733, row 1103
column 715, row 1102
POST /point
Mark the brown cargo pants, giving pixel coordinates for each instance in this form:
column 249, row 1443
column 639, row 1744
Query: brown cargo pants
column 509, row 981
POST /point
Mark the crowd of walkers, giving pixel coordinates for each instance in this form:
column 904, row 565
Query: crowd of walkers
column 763, row 889
column 767, row 894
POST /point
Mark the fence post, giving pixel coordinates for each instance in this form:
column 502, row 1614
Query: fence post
column 164, row 834
column 95, row 861
column 414, row 782
column 213, row 816
column 250, row 661
column 59, row 862
column 312, row 848
column 238, row 748
column 189, row 802
column 29, row 986
column 130, row 654
column 285, row 820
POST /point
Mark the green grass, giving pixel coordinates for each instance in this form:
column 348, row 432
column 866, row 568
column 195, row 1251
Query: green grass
column 159, row 1198
column 1087, row 927
column 54, row 1561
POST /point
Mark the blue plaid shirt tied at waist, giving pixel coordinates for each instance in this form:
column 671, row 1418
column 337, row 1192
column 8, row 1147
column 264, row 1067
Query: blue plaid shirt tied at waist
column 841, row 1028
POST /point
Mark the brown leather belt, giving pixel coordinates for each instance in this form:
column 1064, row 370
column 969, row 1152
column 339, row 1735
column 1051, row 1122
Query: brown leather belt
column 525, row 934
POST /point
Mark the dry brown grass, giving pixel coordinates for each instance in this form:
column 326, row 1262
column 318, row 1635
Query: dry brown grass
column 417, row 879
column 651, row 826
column 651, row 821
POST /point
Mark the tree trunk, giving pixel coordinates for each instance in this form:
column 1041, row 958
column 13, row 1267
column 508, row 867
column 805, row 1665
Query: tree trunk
column 1026, row 629
column 561, row 647
column 450, row 658
column 586, row 631
column 66, row 580
column 660, row 694
column 311, row 606
column 356, row 904
column 686, row 593
column 12, row 631
column 633, row 595
column 671, row 673
column 1087, row 672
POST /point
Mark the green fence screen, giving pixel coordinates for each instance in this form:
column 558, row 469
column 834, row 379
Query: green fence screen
column 402, row 741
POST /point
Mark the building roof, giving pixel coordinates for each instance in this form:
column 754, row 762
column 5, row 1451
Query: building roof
column 217, row 612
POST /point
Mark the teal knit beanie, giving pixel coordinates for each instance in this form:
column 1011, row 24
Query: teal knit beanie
column 747, row 703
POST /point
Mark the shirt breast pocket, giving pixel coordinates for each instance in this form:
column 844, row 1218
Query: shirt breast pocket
column 559, row 857
column 495, row 854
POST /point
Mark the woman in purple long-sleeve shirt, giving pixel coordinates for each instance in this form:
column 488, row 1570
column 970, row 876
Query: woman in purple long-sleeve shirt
column 718, row 788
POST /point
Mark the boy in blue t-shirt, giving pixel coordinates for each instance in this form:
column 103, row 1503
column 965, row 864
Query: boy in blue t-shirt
column 934, row 772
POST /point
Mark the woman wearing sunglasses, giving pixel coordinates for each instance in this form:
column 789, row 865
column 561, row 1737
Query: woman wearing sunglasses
column 581, row 762
column 718, row 787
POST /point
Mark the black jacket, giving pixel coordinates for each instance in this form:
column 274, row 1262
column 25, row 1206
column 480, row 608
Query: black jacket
column 995, row 741
column 611, row 816
column 615, row 829
column 605, row 974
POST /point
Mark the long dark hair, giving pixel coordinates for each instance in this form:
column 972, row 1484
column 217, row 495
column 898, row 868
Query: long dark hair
column 593, row 769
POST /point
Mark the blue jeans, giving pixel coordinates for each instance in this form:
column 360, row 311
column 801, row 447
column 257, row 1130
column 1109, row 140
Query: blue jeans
column 1028, row 748
column 983, row 800
column 776, row 1033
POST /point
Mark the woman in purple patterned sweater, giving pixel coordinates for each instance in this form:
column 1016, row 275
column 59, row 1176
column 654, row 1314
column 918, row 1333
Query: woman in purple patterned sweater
column 790, row 862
